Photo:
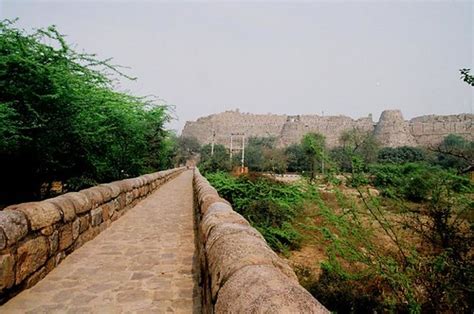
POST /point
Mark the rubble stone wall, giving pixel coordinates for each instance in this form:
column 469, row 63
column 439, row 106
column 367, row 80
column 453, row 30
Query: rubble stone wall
column 391, row 129
column 239, row 271
column 35, row 237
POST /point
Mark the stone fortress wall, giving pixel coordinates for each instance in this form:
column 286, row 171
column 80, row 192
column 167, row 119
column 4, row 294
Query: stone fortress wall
column 391, row 130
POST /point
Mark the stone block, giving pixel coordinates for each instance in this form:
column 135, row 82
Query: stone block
column 35, row 278
column 76, row 227
column 53, row 242
column 96, row 216
column 114, row 189
column 107, row 210
column 125, row 185
column 94, row 195
column 215, row 216
column 7, row 271
column 65, row 236
column 81, row 202
column 263, row 289
column 31, row 255
column 14, row 225
column 122, row 201
column 3, row 240
column 84, row 223
column 224, row 229
column 232, row 252
column 40, row 214
column 65, row 206
column 129, row 197
column 208, row 200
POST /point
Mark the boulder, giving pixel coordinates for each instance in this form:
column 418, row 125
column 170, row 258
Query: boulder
column 31, row 255
column 14, row 225
column 40, row 214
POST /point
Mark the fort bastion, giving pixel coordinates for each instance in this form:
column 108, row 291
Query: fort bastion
column 391, row 130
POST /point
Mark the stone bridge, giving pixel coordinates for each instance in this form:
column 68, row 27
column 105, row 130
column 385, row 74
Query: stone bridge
column 178, row 248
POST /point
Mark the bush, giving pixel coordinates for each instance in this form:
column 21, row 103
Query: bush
column 270, row 206
column 399, row 155
column 414, row 181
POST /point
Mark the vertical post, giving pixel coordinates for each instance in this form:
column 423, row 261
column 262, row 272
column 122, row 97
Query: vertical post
column 243, row 151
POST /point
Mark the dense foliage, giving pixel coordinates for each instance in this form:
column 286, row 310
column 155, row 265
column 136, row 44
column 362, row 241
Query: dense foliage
column 415, row 181
column 214, row 161
column 62, row 120
column 400, row 155
column 270, row 206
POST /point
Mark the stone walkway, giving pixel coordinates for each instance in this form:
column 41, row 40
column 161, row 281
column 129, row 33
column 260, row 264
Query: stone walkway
column 143, row 263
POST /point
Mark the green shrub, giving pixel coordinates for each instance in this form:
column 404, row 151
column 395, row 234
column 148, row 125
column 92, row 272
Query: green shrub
column 400, row 155
column 270, row 206
column 415, row 181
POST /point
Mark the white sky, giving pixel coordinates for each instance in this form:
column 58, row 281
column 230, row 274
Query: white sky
column 351, row 58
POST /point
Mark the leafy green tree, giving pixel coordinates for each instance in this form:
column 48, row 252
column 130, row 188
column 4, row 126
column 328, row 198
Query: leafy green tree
column 456, row 152
column 314, row 148
column 255, row 156
column 62, row 120
column 342, row 157
column 360, row 142
column 274, row 160
column 219, row 161
column 296, row 158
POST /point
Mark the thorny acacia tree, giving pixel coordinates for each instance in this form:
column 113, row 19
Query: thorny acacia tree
column 61, row 118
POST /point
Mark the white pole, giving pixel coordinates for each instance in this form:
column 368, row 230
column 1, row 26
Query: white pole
column 243, row 151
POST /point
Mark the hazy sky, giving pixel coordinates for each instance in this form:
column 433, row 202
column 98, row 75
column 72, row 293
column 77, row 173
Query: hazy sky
column 351, row 58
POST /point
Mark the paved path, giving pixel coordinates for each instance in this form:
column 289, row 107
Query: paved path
column 143, row 263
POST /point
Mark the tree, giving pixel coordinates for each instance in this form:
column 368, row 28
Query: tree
column 274, row 160
column 360, row 142
column 296, row 158
column 219, row 161
column 62, row 120
column 455, row 152
column 314, row 148
column 187, row 147
column 258, row 152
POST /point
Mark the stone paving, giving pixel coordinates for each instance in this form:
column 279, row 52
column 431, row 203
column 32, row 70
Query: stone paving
column 143, row 263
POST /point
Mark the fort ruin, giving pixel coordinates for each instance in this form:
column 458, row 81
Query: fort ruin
column 391, row 130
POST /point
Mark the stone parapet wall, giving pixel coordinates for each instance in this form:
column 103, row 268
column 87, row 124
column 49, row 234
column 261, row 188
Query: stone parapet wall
column 239, row 271
column 35, row 237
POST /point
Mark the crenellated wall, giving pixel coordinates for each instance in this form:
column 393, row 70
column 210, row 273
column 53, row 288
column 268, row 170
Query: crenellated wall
column 35, row 237
column 239, row 271
column 391, row 129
